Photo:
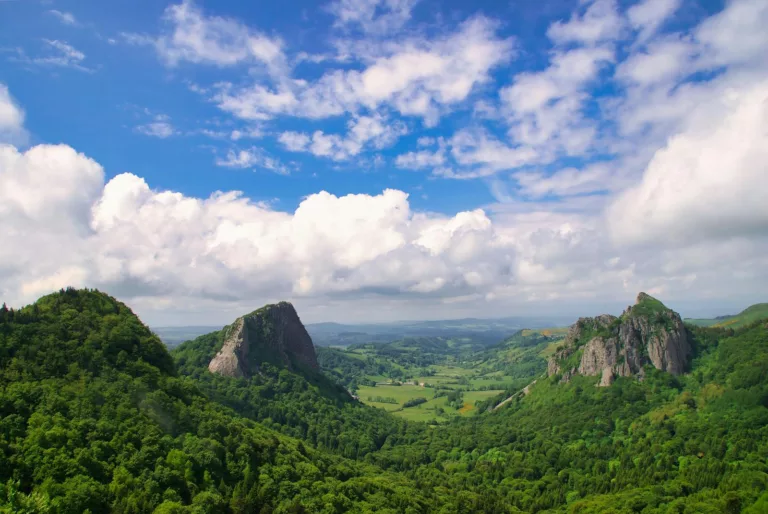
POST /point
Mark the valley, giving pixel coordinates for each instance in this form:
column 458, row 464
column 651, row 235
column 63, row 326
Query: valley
column 449, row 377
column 631, row 413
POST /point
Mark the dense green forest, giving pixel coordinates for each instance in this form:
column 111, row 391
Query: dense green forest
column 97, row 416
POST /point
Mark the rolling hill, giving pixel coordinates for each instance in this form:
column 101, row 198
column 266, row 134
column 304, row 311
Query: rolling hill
column 745, row 317
column 97, row 416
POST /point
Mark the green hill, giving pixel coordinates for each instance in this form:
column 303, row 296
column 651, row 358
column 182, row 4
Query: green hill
column 749, row 315
column 745, row 317
column 96, row 416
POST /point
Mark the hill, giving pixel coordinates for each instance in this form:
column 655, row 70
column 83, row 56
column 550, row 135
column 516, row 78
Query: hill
column 646, row 333
column 273, row 334
column 749, row 315
column 298, row 401
column 692, row 443
column 745, row 317
column 94, row 418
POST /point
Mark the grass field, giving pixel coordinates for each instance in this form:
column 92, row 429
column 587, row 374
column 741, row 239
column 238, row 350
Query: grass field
column 425, row 411
column 702, row 322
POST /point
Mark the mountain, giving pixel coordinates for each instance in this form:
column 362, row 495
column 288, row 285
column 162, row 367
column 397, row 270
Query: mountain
column 95, row 418
column 647, row 333
column 273, row 334
column 688, row 443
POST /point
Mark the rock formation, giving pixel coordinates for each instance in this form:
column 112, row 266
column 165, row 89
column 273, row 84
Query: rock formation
column 272, row 334
column 646, row 333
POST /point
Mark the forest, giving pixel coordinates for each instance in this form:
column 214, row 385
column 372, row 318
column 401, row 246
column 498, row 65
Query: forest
column 97, row 416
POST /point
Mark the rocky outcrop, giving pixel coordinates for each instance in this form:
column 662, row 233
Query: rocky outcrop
column 272, row 334
column 231, row 361
column 646, row 333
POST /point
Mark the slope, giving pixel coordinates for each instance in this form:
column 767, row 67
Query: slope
column 692, row 443
column 749, row 315
column 93, row 418
column 303, row 403
column 745, row 317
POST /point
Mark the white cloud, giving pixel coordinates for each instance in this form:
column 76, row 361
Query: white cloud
column 58, row 53
column 294, row 141
column 160, row 127
column 72, row 182
column 139, row 242
column 568, row 181
column 708, row 181
column 196, row 37
column 600, row 22
column 247, row 133
column 737, row 35
column 417, row 78
column 372, row 16
column 169, row 254
column 648, row 16
column 482, row 155
column 67, row 18
column 11, row 120
column 545, row 109
column 421, row 159
column 363, row 131
column 662, row 61
column 252, row 158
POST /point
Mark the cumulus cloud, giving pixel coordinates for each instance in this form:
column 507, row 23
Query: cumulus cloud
column 709, row 181
column 336, row 256
column 136, row 241
column 11, row 119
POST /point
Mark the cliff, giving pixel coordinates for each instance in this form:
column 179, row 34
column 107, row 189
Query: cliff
column 272, row 334
column 647, row 333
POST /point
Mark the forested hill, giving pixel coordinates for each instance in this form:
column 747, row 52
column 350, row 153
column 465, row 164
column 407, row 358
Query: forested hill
column 694, row 443
column 94, row 419
column 96, row 416
column 304, row 404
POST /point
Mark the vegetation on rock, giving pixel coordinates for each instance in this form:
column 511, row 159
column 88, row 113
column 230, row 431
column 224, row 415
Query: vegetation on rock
column 96, row 416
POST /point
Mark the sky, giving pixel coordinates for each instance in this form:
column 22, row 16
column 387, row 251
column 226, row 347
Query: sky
column 376, row 160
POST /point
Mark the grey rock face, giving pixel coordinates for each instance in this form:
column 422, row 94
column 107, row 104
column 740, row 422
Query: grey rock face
column 646, row 333
column 233, row 354
column 271, row 334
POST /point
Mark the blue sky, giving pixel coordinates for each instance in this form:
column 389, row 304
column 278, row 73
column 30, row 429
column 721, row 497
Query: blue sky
column 542, row 140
